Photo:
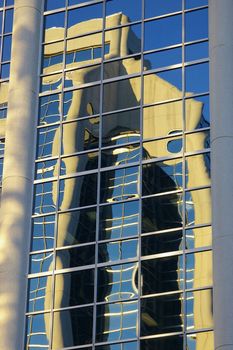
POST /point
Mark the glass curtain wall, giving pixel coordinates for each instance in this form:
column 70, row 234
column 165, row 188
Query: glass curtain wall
column 6, row 24
column 121, row 248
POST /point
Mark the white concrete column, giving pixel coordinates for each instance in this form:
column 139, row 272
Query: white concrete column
column 221, row 94
column 16, row 201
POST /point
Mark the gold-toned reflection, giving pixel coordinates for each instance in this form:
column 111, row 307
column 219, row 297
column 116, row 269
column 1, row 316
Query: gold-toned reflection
column 162, row 139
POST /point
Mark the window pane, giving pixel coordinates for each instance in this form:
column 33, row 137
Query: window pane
column 196, row 25
column 118, row 250
column 166, row 32
column 116, row 321
column 161, row 7
column 161, row 213
column 80, row 136
column 81, row 103
column 198, row 207
column 120, row 184
column 128, row 94
column 129, row 8
column 199, row 309
column 76, row 227
column 39, row 294
column 77, row 164
column 117, row 282
column 74, row 288
column 162, row 275
column 73, row 257
column 199, row 271
column 78, row 192
column 38, row 331
column 163, row 58
column 49, row 109
column 43, row 232
column 120, row 128
column 199, row 237
column 119, row 156
column 161, row 315
column 119, row 220
column 72, row 327
column 161, row 242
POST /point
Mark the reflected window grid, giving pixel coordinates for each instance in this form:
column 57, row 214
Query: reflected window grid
column 116, row 321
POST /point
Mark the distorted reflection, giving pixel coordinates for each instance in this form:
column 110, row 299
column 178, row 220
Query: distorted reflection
column 138, row 151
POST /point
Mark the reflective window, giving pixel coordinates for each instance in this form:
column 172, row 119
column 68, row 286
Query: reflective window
column 39, row 294
column 161, row 7
column 201, row 165
column 41, row 262
column 131, row 9
column 196, row 51
column 119, row 184
column 161, row 177
column 131, row 99
column 120, row 128
column 45, row 198
column 163, row 86
column 161, row 213
column 162, row 314
column 166, row 32
column 163, row 58
column 118, row 250
column 80, row 136
column 199, row 309
column 48, row 141
column 196, row 25
column 173, row 342
column 79, row 163
column 52, row 5
column 161, row 242
column 73, row 257
column 198, row 202
column 195, row 3
column 116, row 321
column 162, row 275
column 207, row 338
column 50, row 109
column 76, row 227
column 119, row 220
column 77, row 329
column 199, row 237
column 66, row 291
column 81, row 103
column 118, row 282
column 78, row 192
column 43, row 232
column 119, row 156
column 37, row 331
column 197, row 78
column 199, row 270
column 83, row 14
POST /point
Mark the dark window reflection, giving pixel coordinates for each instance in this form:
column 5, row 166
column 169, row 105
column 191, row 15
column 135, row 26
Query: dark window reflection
column 76, row 227
column 118, row 250
column 161, row 315
column 80, row 256
column 162, row 275
column 161, row 213
column 72, row 327
column 161, row 242
column 66, row 291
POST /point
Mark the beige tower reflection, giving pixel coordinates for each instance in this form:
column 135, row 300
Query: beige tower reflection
column 160, row 121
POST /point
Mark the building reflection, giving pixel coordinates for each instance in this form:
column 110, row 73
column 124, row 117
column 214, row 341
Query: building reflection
column 157, row 221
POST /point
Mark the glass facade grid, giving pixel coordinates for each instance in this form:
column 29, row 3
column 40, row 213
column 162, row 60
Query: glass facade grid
column 121, row 238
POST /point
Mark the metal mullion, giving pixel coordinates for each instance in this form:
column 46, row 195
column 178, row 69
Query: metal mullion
column 94, row 320
column 140, row 174
column 166, row 15
column 183, row 180
column 58, row 190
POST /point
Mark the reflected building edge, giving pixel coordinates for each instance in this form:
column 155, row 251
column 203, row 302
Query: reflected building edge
column 141, row 196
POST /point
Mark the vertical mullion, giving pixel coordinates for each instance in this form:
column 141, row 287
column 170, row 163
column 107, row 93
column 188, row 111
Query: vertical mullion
column 99, row 176
column 140, row 174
